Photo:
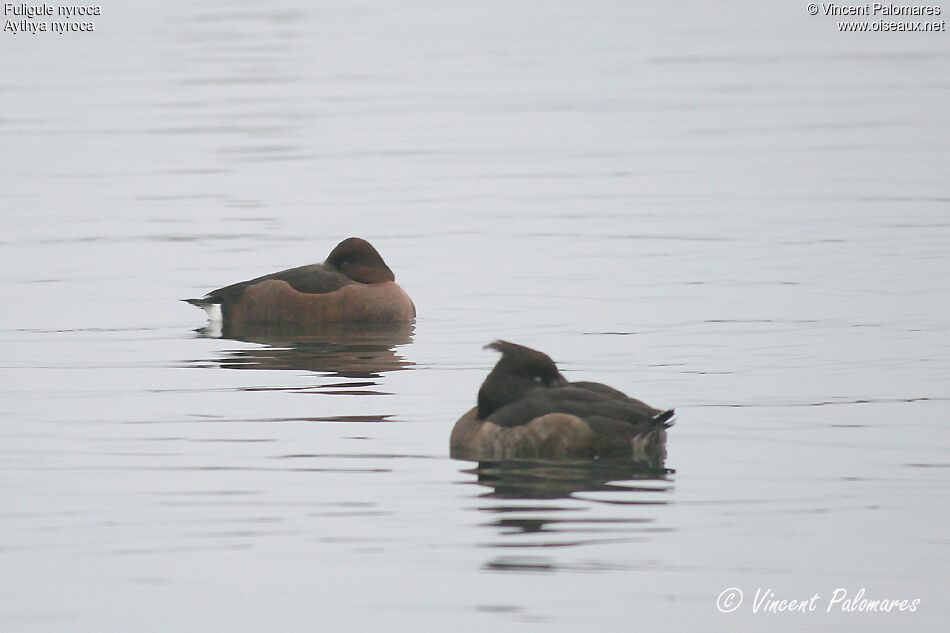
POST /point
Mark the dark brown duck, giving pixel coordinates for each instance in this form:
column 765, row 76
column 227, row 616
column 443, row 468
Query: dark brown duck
column 528, row 410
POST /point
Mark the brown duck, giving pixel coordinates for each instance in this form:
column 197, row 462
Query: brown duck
column 354, row 284
column 528, row 410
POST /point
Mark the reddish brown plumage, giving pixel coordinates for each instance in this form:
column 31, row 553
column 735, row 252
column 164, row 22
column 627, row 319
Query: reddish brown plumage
column 274, row 301
column 353, row 285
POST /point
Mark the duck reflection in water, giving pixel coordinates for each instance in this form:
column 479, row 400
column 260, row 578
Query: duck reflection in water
column 543, row 506
column 540, row 479
column 363, row 350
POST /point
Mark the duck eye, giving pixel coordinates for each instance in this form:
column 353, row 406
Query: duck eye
column 538, row 379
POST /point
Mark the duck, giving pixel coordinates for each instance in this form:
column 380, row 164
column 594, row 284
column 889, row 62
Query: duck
column 527, row 409
column 354, row 284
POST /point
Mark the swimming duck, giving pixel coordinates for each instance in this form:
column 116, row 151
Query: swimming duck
column 528, row 410
column 354, row 284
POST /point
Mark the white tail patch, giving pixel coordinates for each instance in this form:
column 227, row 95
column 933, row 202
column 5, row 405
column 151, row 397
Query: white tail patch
column 214, row 312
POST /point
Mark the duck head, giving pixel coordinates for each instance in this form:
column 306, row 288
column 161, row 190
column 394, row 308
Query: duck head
column 357, row 259
column 519, row 371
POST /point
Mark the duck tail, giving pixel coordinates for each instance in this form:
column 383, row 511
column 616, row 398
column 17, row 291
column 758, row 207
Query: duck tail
column 665, row 418
column 207, row 304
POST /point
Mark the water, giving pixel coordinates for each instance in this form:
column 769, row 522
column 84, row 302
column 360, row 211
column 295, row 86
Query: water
column 731, row 210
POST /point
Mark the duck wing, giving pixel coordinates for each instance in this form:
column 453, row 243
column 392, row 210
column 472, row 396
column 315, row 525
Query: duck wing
column 606, row 410
column 311, row 279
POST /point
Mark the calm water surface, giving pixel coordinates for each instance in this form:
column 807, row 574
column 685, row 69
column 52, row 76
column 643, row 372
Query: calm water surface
column 735, row 211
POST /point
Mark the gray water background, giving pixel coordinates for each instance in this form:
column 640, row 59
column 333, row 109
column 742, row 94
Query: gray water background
column 727, row 208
